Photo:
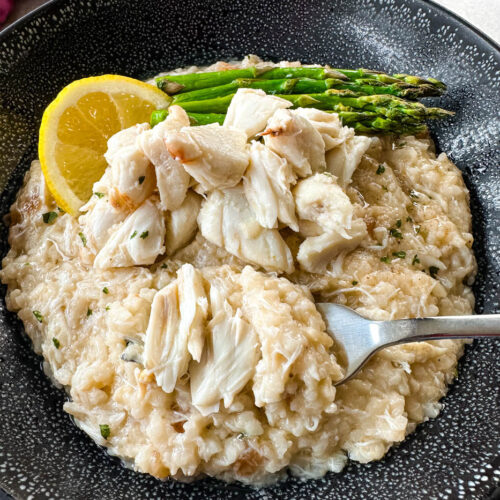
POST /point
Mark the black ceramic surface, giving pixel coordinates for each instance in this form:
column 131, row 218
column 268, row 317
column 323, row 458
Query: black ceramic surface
column 42, row 454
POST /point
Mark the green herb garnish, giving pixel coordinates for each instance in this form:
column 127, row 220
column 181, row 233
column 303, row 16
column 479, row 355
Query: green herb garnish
column 38, row 316
column 99, row 195
column 144, row 235
column 49, row 217
column 400, row 255
column 105, row 430
column 354, row 283
column 84, row 240
column 395, row 233
column 398, row 223
column 133, row 235
column 415, row 260
column 56, row 343
column 89, row 312
column 385, row 259
column 433, row 270
column 105, row 290
column 380, row 170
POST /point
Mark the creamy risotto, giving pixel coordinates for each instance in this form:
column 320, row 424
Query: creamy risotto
column 178, row 310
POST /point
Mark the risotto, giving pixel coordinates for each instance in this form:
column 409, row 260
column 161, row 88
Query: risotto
column 178, row 310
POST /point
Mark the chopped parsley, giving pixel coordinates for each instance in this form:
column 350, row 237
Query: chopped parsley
column 105, row 430
column 60, row 210
column 400, row 255
column 89, row 312
column 433, row 270
column 133, row 235
column 415, row 260
column 400, row 145
column 164, row 266
column 354, row 283
column 385, row 188
column 409, row 219
column 385, row 259
column 380, row 169
column 395, row 233
column 105, row 290
column 84, row 240
column 56, row 343
column 38, row 316
column 141, row 179
column 49, row 217
column 398, row 223
column 107, row 308
column 144, row 235
column 99, row 195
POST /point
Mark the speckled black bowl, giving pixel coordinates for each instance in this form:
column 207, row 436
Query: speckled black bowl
column 42, row 454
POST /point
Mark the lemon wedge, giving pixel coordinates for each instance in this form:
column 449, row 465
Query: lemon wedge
column 77, row 124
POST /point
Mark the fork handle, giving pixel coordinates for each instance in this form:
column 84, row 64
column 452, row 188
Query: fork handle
column 445, row 327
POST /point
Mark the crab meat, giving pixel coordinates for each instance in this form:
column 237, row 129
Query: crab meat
column 316, row 252
column 229, row 359
column 267, row 188
column 327, row 220
column 138, row 240
column 176, row 326
column 251, row 108
column 294, row 137
column 328, row 125
column 171, row 178
column 132, row 177
column 321, row 200
column 227, row 220
column 343, row 160
column 214, row 156
column 181, row 224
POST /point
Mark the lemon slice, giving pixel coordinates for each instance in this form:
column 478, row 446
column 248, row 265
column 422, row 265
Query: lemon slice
column 77, row 124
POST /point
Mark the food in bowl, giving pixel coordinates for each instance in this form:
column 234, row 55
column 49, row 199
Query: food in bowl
column 176, row 306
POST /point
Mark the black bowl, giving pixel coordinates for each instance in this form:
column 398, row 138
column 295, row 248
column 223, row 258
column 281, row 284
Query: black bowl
column 42, row 453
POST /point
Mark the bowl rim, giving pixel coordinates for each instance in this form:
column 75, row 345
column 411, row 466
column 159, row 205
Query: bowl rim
column 432, row 4
column 485, row 40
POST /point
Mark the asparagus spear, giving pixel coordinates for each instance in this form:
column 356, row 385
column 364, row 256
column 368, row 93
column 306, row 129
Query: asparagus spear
column 302, row 72
column 206, row 118
column 416, row 80
column 309, row 86
column 367, row 74
column 159, row 115
column 269, row 86
column 363, row 122
column 216, row 105
column 172, row 84
column 388, row 105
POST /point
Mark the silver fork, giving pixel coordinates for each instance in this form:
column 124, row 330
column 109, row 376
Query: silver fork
column 360, row 338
